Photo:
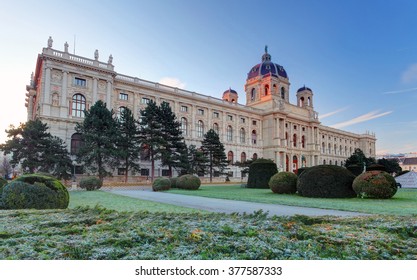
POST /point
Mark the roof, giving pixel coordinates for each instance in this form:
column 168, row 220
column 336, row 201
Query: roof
column 304, row 88
column 267, row 67
column 410, row 161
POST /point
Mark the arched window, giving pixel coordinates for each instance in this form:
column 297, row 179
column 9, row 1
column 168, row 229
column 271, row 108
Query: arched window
column 200, row 129
column 255, row 156
column 301, row 103
column 230, row 157
column 242, row 135
column 303, row 141
column 216, row 128
column 253, row 94
column 78, row 105
column 254, row 137
column 184, row 125
column 335, row 149
column 330, row 148
column 229, row 133
column 76, row 143
column 242, row 157
column 323, row 148
column 294, row 140
column 283, row 93
column 266, row 90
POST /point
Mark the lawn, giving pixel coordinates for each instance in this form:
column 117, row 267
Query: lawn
column 97, row 233
column 403, row 203
column 122, row 203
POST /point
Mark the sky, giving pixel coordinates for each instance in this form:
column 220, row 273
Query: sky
column 358, row 57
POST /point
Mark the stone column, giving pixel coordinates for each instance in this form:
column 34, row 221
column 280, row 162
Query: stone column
column 63, row 103
column 46, row 105
column 109, row 95
column 94, row 90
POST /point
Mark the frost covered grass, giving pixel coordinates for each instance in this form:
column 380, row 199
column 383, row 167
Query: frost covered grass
column 87, row 233
column 404, row 201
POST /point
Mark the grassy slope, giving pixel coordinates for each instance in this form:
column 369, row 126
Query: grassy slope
column 122, row 203
column 403, row 203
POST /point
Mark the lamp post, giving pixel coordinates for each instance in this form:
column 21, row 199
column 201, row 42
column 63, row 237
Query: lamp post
column 74, row 179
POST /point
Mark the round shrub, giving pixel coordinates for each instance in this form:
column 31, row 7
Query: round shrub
column 375, row 184
column 90, row 183
column 326, row 181
column 173, row 182
column 161, row 184
column 35, row 191
column 283, row 182
column 260, row 171
column 188, row 182
column 3, row 182
column 301, row 170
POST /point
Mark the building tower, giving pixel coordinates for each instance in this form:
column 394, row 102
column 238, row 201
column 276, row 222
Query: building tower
column 305, row 97
column 265, row 80
column 230, row 95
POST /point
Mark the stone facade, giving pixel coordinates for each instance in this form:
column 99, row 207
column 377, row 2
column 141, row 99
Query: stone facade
column 267, row 126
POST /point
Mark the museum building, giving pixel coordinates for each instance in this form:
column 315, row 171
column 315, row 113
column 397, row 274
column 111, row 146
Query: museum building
column 64, row 85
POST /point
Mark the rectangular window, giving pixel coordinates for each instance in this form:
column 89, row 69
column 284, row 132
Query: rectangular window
column 200, row 112
column 229, row 117
column 144, row 100
column 184, row 109
column 216, row 115
column 80, row 82
column 242, row 120
column 165, row 172
column 123, row 96
column 121, row 171
column 144, row 172
column 253, row 122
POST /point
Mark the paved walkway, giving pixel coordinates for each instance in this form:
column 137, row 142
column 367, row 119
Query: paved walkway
column 230, row 206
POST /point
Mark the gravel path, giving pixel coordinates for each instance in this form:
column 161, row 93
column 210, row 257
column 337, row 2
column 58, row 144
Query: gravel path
column 230, row 206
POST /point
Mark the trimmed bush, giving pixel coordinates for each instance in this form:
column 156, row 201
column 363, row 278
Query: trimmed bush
column 283, row 182
column 374, row 167
column 161, row 184
column 301, row 170
column 375, row 184
column 90, row 183
column 260, row 171
column 326, row 181
column 188, row 182
column 35, row 191
column 173, row 182
column 355, row 169
column 3, row 182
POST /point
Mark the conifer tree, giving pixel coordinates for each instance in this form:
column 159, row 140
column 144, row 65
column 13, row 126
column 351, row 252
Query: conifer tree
column 98, row 133
column 172, row 153
column 150, row 133
column 32, row 146
column 213, row 149
column 197, row 161
column 127, row 142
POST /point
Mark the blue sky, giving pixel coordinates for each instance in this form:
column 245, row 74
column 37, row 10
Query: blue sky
column 358, row 57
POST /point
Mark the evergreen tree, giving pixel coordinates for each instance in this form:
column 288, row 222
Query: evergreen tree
column 150, row 133
column 358, row 158
column 391, row 165
column 32, row 146
column 197, row 161
column 213, row 149
column 127, row 142
column 98, row 133
column 172, row 153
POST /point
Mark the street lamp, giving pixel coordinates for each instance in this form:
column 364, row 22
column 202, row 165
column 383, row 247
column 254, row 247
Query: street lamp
column 73, row 174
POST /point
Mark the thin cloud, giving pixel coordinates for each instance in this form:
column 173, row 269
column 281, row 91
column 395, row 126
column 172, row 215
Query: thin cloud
column 333, row 113
column 410, row 74
column 401, row 91
column 363, row 118
column 172, row 82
